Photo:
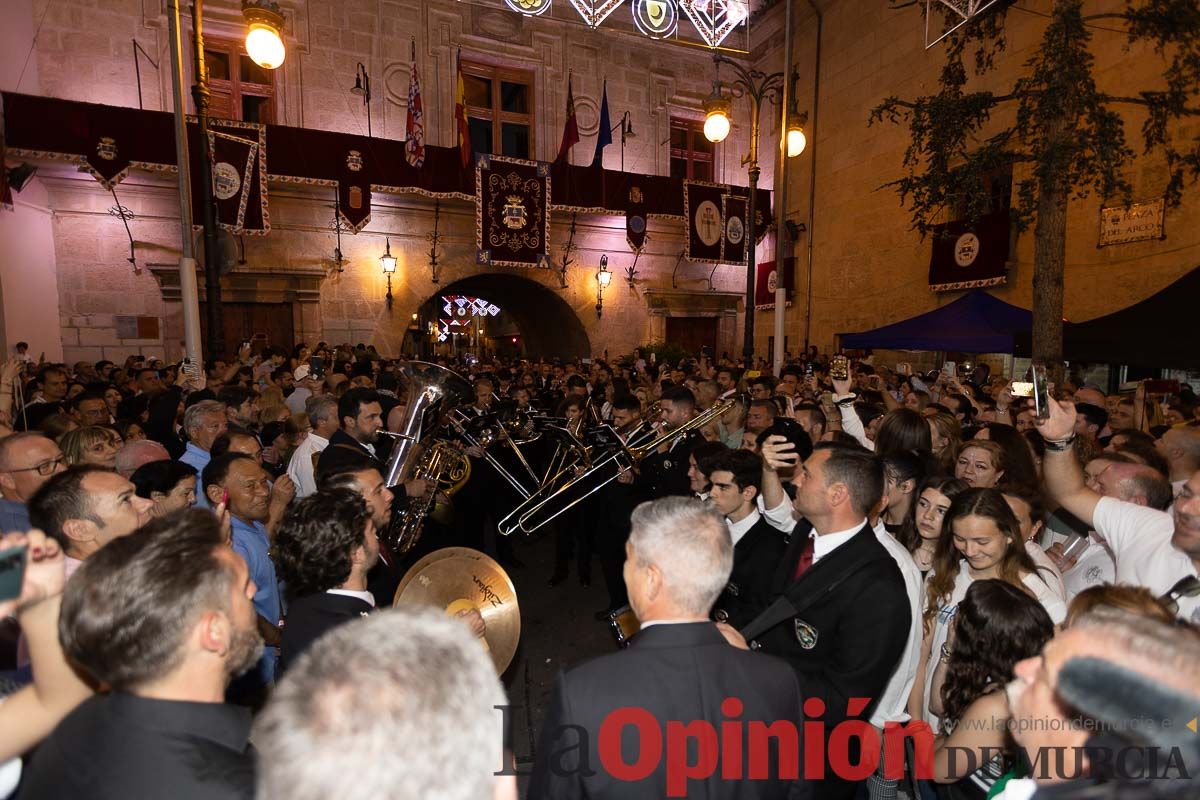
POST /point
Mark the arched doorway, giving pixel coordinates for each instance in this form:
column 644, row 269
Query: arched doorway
column 532, row 321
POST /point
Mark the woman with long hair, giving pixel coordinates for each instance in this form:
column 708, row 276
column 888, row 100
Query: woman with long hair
column 1019, row 465
column 981, row 539
column 981, row 464
column 903, row 472
column 996, row 626
column 903, row 431
column 923, row 528
column 945, row 435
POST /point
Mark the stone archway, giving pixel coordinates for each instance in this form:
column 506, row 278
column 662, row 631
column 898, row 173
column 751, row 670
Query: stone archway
column 548, row 325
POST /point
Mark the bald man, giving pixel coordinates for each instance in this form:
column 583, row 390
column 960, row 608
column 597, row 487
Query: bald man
column 1181, row 448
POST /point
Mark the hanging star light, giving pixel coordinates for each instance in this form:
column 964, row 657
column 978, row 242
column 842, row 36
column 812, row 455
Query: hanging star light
column 595, row 11
column 715, row 19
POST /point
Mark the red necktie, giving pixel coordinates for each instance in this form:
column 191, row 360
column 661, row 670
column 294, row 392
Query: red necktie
column 806, row 559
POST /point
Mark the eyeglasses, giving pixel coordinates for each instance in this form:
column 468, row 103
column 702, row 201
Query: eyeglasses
column 45, row 468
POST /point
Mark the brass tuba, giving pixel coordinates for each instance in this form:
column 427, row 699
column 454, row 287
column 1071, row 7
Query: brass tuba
column 432, row 392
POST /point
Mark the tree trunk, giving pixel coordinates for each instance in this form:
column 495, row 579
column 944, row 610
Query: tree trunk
column 1049, row 259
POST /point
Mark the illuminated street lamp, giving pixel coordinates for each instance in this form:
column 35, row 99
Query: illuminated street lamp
column 264, row 36
column 603, row 279
column 387, row 262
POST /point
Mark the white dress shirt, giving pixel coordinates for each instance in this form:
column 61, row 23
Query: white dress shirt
column 300, row 468
column 740, row 528
column 366, row 597
column 826, row 543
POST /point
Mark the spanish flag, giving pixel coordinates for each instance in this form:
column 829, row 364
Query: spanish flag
column 571, row 129
column 460, row 114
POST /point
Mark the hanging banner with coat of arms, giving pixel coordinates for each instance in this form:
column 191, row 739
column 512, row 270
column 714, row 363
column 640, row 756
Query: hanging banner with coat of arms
column 966, row 256
column 734, row 250
column 354, row 189
column 703, row 205
column 239, row 175
column 635, row 219
column 769, row 278
column 512, row 212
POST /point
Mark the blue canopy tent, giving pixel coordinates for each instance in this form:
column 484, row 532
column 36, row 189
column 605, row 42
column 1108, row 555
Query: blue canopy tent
column 974, row 323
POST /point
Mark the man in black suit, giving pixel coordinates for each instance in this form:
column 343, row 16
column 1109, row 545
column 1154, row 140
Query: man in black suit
column 361, row 415
column 757, row 545
column 324, row 547
column 616, row 503
column 845, row 621
column 665, row 471
column 678, row 669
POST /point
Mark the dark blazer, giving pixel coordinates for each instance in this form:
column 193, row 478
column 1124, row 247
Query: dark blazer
column 848, row 642
column 310, row 617
column 344, row 449
column 677, row 673
column 756, row 557
column 666, row 474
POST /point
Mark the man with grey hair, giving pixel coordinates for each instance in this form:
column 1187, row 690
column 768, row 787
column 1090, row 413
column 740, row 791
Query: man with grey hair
column 322, row 413
column 27, row 461
column 679, row 669
column 396, row 705
column 203, row 422
column 1114, row 683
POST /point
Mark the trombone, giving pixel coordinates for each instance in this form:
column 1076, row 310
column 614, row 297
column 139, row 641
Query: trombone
column 551, row 501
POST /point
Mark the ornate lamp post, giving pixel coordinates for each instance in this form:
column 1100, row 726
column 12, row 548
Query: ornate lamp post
column 387, row 262
column 603, row 279
column 264, row 45
column 757, row 86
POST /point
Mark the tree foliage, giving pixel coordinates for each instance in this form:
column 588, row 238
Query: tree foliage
column 1064, row 126
column 1067, row 133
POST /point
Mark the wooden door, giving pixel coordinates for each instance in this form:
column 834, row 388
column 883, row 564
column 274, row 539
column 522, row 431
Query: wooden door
column 692, row 333
column 261, row 324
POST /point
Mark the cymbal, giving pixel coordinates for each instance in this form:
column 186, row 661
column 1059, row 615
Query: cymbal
column 429, row 558
column 462, row 580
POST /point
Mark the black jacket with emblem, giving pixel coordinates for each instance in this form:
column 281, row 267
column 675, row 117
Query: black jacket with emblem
column 845, row 637
column 756, row 557
column 666, row 474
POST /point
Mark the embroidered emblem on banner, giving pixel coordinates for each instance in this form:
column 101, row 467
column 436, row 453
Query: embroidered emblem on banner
column 635, row 194
column 356, row 197
column 106, row 148
column 354, row 161
column 708, row 223
column 806, row 634
column 966, row 249
column 734, row 230
column 226, row 181
column 515, row 217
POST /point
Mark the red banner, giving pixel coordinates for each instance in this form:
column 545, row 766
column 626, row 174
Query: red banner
column 767, row 278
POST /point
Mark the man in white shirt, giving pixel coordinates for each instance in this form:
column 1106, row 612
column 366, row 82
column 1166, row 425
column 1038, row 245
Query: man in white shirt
column 1150, row 548
column 322, row 415
column 757, row 545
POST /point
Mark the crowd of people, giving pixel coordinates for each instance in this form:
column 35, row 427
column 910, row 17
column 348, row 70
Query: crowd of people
column 203, row 557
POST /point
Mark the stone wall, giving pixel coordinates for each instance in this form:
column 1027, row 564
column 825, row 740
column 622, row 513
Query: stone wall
column 84, row 53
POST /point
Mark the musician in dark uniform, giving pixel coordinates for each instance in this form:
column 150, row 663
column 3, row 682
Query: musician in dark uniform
column 486, row 497
column 844, row 615
column 361, row 415
column 758, row 546
column 615, row 506
column 324, row 547
column 666, row 472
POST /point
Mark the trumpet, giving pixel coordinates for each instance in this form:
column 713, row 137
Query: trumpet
column 553, row 500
